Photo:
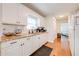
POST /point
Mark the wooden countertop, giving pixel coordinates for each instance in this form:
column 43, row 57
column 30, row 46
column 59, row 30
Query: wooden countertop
column 23, row 35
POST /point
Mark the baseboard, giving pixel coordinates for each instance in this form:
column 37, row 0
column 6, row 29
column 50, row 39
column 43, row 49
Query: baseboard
column 51, row 41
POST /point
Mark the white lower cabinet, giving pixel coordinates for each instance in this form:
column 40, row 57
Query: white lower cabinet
column 26, row 46
column 31, row 44
column 35, row 43
column 11, row 48
column 2, row 52
column 44, row 38
column 22, row 47
column 41, row 39
column 12, row 51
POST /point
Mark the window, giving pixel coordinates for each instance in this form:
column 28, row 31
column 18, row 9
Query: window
column 32, row 22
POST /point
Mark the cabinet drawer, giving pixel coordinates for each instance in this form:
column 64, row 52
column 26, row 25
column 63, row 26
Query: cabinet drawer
column 10, row 43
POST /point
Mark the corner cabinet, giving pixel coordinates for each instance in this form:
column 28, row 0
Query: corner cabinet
column 14, row 14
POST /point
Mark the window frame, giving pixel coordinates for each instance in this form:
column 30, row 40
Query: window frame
column 37, row 22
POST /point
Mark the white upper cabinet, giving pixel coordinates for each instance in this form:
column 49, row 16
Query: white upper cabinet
column 10, row 14
column 22, row 14
column 14, row 14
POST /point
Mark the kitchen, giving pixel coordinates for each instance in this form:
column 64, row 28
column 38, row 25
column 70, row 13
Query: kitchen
column 16, row 39
column 23, row 31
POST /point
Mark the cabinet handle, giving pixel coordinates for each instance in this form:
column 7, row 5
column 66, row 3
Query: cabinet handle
column 13, row 42
column 38, row 37
column 22, row 44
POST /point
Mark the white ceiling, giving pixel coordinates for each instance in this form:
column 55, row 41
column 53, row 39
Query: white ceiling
column 46, row 9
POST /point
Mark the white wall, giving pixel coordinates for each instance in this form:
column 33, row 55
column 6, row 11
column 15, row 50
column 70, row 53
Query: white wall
column 0, row 11
column 71, row 34
column 59, row 21
column 58, row 27
column 51, row 27
column 64, row 28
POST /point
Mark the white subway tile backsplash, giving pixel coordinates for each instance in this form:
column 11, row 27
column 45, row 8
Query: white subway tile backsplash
column 11, row 28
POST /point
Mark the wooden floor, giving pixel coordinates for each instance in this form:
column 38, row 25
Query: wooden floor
column 58, row 50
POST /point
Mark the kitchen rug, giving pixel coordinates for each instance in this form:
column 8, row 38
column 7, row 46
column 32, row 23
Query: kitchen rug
column 43, row 51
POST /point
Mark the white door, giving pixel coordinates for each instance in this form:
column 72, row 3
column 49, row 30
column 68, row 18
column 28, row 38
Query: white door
column 76, row 38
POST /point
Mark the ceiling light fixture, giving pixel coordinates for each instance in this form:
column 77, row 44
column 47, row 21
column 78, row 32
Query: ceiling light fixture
column 61, row 16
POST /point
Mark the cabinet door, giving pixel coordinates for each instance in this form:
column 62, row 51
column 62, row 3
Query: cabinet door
column 11, row 48
column 38, row 41
column 2, row 52
column 9, row 13
column 41, row 39
column 44, row 38
column 12, row 51
column 30, row 45
column 22, row 14
column 26, row 46
column 35, row 43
